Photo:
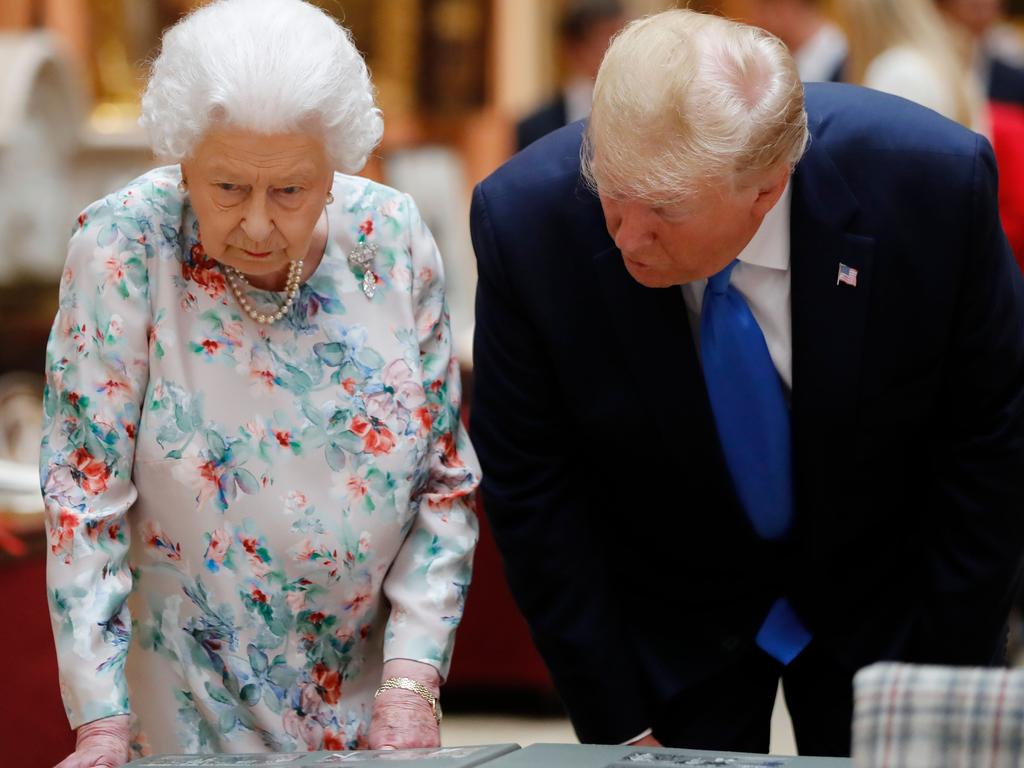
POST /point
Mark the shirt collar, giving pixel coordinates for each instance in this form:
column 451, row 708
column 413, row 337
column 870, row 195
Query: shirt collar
column 769, row 247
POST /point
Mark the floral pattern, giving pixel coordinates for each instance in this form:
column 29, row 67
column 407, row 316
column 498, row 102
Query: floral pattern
column 246, row 521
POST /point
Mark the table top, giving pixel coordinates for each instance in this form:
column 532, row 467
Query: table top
column 501, row 756
column 590, row 756
column 441, row 757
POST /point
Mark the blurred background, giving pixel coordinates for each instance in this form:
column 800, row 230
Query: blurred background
column 462, row 84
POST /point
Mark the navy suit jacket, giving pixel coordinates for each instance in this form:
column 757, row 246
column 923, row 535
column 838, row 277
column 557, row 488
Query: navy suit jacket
column 623, row 541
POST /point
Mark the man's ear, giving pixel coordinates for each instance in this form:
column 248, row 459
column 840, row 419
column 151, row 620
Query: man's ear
column 769, row 190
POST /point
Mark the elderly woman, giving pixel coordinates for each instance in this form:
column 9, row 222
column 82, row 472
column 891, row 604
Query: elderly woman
column 256, row 481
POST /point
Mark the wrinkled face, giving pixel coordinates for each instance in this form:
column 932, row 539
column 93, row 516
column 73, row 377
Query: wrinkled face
column 676, row 244
column 257, row 197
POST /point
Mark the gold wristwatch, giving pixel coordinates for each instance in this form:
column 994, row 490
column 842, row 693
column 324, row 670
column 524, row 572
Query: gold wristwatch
column 408, row 684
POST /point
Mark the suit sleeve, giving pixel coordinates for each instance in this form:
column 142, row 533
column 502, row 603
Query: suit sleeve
column 978, row 489
column 534, row 496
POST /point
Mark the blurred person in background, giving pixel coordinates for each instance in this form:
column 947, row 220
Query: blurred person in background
column 749, row 392
column 1005, row 40
column 817, row 44
column 905, row 48
column 1003, row 79
column 256, row 483
column 584, row 31
column 1003, row 82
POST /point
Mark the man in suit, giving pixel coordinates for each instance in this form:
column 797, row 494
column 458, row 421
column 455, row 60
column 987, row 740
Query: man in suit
column 818, row 45
column 749, row 411
column 1003, row 79
column 584, row 31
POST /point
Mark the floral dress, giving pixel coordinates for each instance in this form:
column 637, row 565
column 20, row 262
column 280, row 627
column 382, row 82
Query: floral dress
column 246, row 521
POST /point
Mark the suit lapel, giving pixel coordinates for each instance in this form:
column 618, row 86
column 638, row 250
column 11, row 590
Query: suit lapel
column 828, row 317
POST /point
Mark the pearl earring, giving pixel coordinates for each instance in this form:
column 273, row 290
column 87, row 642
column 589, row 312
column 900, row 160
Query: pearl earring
column 330, row 198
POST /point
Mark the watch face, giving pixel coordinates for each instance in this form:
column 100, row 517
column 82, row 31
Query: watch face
column 437, row 709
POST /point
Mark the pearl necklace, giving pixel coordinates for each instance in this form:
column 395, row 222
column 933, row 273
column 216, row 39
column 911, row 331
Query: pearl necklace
column 239, row 284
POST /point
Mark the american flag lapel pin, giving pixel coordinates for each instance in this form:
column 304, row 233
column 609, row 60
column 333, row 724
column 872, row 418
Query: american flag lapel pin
column 847, row 275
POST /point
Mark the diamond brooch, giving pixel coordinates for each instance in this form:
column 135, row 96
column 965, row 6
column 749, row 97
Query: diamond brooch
column 360, row 259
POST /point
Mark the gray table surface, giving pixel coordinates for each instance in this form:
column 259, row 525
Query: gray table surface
column 588, row 756
column 500, row 756
column 442, row 757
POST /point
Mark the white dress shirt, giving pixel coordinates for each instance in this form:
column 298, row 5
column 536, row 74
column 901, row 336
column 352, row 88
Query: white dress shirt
column 763, row 278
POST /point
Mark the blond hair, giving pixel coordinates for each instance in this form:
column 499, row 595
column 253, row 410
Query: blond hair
column 875, row 26
column 685, row 99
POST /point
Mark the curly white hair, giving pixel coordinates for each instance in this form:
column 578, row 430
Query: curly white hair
column 269, row 66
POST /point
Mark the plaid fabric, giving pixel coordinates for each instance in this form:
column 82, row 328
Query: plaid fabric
column 911, row 716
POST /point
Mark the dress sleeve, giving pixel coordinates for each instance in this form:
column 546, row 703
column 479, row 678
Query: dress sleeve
column 428, row 580
column 97, row 367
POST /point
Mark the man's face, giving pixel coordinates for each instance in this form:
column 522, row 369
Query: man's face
column 679, row 243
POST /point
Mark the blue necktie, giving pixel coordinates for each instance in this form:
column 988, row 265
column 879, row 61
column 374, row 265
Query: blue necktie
column 753, row 428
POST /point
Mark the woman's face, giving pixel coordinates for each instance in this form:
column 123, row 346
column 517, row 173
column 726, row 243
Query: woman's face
column 257, row 197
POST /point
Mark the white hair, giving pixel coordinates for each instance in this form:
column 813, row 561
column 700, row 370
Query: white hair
column 269, row 66
column 686, row 99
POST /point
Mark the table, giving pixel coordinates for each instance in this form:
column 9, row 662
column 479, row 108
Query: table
column 442, row 757
column 590, row 756
column 502, row 756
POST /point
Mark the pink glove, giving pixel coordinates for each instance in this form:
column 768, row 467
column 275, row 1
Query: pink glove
column 403, row 719
column 101, row 744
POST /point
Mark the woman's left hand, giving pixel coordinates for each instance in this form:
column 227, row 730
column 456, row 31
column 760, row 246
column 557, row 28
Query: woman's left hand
column 403, row 719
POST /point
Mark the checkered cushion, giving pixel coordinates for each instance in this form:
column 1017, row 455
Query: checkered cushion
column 911, row 716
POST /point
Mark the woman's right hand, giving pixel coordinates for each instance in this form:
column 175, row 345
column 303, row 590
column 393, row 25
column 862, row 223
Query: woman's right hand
column 101, row 744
